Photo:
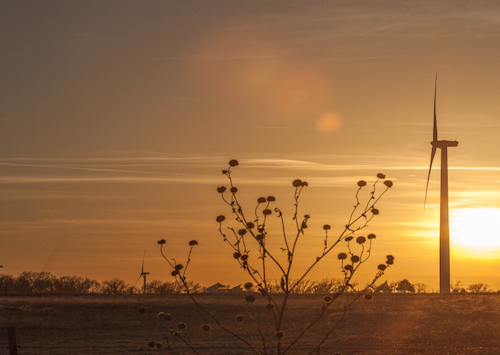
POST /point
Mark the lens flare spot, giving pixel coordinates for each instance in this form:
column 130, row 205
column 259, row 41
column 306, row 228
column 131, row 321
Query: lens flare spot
column 329, row 122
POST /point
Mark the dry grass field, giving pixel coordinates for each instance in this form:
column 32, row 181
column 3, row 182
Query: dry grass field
column 387, row 324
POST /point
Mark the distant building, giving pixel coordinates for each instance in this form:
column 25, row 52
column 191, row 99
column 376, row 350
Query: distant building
column 221, row 289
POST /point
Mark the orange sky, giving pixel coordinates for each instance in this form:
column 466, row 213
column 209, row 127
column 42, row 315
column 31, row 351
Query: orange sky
column 117, row 118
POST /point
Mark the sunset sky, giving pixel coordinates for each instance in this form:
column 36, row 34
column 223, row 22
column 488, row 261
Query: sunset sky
column 117, row 117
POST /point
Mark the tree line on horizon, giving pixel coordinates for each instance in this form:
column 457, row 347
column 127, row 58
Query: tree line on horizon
column 43, row 282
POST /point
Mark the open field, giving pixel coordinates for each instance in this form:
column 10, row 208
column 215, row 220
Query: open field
column 387, row 324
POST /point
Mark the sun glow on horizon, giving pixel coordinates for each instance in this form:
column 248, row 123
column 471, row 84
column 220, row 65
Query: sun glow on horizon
column 476, row 228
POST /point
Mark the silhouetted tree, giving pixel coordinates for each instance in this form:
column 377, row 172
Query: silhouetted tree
column 405, row 286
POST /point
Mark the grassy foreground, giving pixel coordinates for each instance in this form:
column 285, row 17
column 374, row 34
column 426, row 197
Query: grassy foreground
column 387, row 324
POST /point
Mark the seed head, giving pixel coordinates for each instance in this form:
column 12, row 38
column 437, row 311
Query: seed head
column 361, row 183
column 175, row 273
column 151, row 344
column 250, row 225
column 360, row 240
column 242, row 232
column 220, row 218
column 259, row 237
column 348, row 239
column 327, row 299
column 297, row 183
column 244, row 257
column 371, row 236
column 240, row 318
column 250, row 299
column 375, row 211
column 271, row 198
column 233, row 162
column 355, row 258
column 326, row 227
column 234, row 190
column 221, row 189
column 381, row 176
column 206, row 327
column 342, row 256
column 267, row 211
column 382, row 267
column 193, row 242
column 236, row 255
column 261, row 200
column 269, row 307
column 368, row 297
column 279, row 335
column 161, row 241
column 388, row 183
column 165, row 316
column 248, row 285
column 179, row 267
column 182, row 325
column 348, row 267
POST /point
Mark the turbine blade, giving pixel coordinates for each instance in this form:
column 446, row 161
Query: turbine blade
column 433, row 153
column 143, row 257
column 434, row 129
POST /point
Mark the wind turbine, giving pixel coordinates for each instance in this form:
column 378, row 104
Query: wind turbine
column 143, row 274
column 444, row 225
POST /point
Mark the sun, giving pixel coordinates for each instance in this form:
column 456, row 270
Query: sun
column 476, row 228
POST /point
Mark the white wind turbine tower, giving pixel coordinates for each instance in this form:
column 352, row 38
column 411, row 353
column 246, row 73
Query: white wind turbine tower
column 444, row 227
column 143, row 274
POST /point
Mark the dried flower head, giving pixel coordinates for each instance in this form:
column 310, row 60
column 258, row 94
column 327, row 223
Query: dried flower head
column 151, row 344
column 368, row 297
column 267, row 211
column 271, row 198
column 381, row 176
column 161, row 241
column 206, row 327
column 248, row 285
column 261, row 200
column 142, row 310
column 250, row 299
column 371, row 236
column 327, row 299
column 250, row 225
column 355, row 258
column 174, row 273
column 269, row 307
column 342, row 256
column 375, row 211
column 360, row 240
column 361, row 183
column 390, row 257
column 389, row 262
column 179, row 267
column 348, row 239
column 244, row 257
column 240, row 318
column 233, row 162
column 221, row 189
column 182, row 325
column 220, row 218
column 348, row 267
column 242, row 232
column 236, row 255
column 234, row 190
column 165, row 316
column 297, row 183
column 326, row 227
column 193, row 242
column 382, row 267
column 279, row 335
column 388, row 183
column 259, row 237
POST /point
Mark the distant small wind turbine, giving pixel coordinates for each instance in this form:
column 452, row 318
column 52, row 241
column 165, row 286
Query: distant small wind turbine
column 444, row 228
column 143, row 273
